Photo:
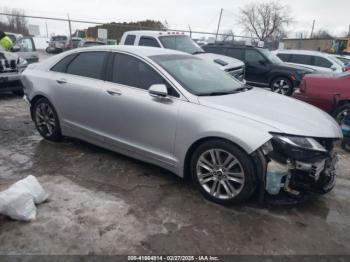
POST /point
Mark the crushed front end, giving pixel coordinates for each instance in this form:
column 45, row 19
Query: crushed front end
column 298, row 167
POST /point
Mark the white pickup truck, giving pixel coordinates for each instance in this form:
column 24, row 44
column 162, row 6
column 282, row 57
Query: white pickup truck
column 181, row 42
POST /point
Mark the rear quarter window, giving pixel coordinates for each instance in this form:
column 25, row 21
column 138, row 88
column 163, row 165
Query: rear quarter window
column 237, row 53
column 284, row 57
column 130, row 40
column 322, row 62
column 61, row 66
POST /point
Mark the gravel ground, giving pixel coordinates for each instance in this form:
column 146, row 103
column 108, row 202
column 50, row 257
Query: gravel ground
column 104, row 203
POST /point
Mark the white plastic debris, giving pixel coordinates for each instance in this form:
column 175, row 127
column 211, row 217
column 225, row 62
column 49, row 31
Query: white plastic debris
column 32, row 186
column 18, row 201
column 17, row 205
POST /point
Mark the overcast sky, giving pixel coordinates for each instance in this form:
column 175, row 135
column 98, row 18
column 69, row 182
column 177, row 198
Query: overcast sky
column 201, row 15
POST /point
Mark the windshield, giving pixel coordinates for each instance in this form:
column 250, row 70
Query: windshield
column 336, row 60
column 197, row 76
column 181, row 43
column 271, row 57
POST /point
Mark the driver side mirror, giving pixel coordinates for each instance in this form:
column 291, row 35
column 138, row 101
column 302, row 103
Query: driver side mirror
column 333, row 67
column 158, row 90
column 15, row 48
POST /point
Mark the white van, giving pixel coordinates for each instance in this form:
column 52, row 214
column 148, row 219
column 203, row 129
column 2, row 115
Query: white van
column 313, row 59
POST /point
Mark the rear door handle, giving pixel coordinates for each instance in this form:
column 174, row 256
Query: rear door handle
column 61, row 81
column 113, row 92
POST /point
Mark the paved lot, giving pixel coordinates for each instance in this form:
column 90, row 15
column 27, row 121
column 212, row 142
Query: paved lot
column 105, row 203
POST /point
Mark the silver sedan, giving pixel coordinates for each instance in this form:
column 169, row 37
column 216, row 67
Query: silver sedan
column 179, row 112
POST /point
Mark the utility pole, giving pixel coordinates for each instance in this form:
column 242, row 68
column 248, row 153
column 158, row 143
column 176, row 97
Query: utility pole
column 312, row 30
column 47, row 31
column 70, row 33
column 349, row 32
column 189, row 27
column 217, row 31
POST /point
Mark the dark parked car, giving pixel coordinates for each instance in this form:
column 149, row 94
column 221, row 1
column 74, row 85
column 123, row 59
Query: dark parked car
column 329, row 92
column 263, row 69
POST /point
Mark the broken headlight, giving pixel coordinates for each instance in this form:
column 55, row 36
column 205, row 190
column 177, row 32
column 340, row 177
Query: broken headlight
column 296, row 148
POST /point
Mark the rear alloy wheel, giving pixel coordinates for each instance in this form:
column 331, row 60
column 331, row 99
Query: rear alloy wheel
column 46, row 120
column 282, row 85
column 223, row 172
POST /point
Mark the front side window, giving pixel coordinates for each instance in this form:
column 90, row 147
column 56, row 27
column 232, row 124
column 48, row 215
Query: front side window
column 130, row 71
column 181, row 43
column 253, row 57
column 272, row 58
column 197, row 76
column 88, row 64
column 148, row 41
column 130, row 40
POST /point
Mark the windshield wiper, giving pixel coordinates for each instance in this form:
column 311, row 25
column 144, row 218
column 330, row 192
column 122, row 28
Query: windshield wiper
column 240, row 89
column 198, row 52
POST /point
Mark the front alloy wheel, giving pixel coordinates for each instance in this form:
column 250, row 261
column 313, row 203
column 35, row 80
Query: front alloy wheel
column 223, row 172
column 282, row 85
column 46, row 120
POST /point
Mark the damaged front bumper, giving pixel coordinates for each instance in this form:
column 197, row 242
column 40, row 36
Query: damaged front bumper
column 297, row 168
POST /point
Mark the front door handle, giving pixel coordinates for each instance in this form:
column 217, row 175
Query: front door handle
column 113, row 92
column 61, row 81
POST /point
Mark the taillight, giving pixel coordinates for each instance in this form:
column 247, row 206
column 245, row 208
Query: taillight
column 302, row 86
column 347, row 68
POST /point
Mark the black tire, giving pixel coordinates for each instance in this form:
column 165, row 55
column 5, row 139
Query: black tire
column 46, row 120
column 246, row 165
column 18, row 93
column 340, row 112
column 282, row 85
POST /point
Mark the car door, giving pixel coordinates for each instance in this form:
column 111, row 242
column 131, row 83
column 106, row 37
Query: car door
column 77, row 89
column 257, row 67
column 27, row 49
column 138, row 122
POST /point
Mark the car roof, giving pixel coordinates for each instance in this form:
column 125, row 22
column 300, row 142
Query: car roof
column 301, row 52
column 154, row 33
column 137, row 50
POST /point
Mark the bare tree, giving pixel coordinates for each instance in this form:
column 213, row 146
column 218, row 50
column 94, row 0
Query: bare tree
column 265, row 20
column 15, row 22
column 322, row 33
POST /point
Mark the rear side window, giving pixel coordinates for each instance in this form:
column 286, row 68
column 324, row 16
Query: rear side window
column 285, row 57
column 237, row 53
column 301, row 59
column 130, row 40
column 130, row 71
column 88, row 64
column 322, row 62
column 148, row 41
column 61, row 66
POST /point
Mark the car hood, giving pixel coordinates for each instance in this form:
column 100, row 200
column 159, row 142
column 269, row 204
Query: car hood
column 231, row 62
column 279, row 113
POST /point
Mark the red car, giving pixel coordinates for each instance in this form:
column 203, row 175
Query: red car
column 330, row 93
